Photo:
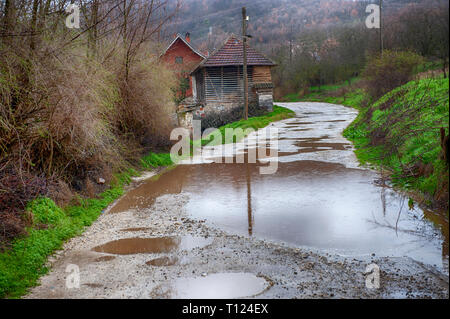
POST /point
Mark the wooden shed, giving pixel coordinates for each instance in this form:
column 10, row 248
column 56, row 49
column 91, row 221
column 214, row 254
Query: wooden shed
column 218, row 80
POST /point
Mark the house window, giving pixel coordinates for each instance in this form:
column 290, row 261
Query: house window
column 179, row 60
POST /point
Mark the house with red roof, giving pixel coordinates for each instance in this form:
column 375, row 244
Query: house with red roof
column 182, row 57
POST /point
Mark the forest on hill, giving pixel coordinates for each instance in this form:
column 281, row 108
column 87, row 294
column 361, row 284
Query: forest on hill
column 274, row 22
column 317, row 42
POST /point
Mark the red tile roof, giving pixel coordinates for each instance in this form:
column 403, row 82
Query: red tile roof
column 179, row 36
column 231, row 53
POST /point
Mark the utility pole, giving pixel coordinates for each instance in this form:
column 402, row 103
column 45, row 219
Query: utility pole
column 244, row 68
column 381, row 27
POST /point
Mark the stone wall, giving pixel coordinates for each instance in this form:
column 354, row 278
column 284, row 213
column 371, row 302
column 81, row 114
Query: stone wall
column 265, row 101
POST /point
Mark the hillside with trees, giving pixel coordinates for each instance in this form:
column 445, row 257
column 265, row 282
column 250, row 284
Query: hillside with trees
column 319, row 42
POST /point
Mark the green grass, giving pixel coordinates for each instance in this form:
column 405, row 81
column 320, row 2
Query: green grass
column 328, row 87
column 292, row 97
column 352, row 98
column 430, row 65
column 408, row 120
column 153, row 160
column 253, row 123
column 328, row 94
column 23, row 264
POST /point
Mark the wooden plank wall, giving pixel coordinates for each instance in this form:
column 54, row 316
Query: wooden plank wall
column 261, row 74
column 200, row 82
column 225, row 84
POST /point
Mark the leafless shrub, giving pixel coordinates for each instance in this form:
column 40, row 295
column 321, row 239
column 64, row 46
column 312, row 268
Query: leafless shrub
column 146, row 102
column 17, row 189
column 388, row 71
column 52, row 118
column 77, row 104
column 11, row 226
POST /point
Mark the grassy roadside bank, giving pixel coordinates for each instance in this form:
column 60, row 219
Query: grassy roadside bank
column 352, row 92
column 23, row 264
column 347, row 93
column 401, row 133
column 253, row 123
column 279, row 113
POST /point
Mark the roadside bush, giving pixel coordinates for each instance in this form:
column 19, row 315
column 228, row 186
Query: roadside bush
column 16, row 189
column 69, row 119
column 72, row 117
column 406, row 131
column 388, row 71
column 52, row 119
column 144, row 114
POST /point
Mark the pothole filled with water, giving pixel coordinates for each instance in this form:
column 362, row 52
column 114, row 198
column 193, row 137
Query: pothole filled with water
column 215, row 286
column 104, row 258
column 162, row 261
column 136, row 245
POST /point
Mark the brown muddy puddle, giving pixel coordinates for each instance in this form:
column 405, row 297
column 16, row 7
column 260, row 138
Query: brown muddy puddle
column 215, row 286
column 104, row 258
column 306, row 203
column 301, row 130
column 264, row 153
column 135, row 229
column 163, row 261
column 155, row 245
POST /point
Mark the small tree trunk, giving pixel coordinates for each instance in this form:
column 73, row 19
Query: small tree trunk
column 43, row 12
column 92, row 37
column 33, row 24
column 9, row 20
column 444, row 68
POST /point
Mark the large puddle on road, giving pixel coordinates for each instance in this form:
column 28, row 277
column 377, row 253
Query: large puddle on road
column 128, row 246
column 306, row 203
column 312, row 200
column 215, row 286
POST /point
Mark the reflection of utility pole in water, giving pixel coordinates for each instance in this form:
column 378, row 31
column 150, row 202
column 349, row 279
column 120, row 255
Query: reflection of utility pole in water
column 249, row 200
column 383, row 199
column 383, row 192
